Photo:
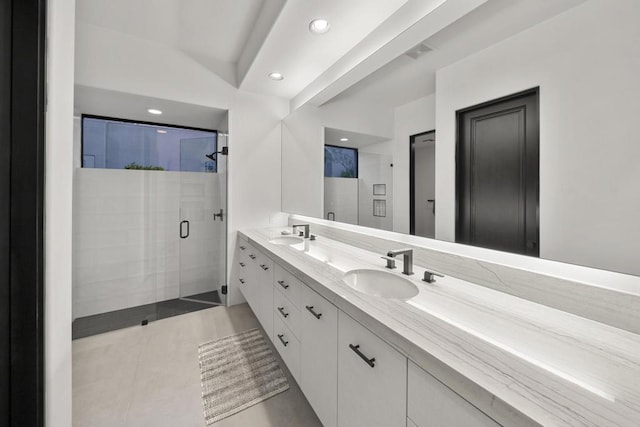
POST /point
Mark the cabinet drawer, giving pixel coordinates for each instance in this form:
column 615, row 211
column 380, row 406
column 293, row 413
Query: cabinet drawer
column 372, row 378
column 319, row 354
column 287, row 312
column 288, row 346
column 288, row 284
column 431, row 403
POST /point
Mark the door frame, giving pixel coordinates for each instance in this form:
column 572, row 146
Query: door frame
column 22, row 124
column 412, row 179
column 459, row 152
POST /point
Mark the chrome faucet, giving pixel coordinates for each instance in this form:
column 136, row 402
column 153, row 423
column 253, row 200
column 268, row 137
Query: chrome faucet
column 407, row 260
column 306, row 229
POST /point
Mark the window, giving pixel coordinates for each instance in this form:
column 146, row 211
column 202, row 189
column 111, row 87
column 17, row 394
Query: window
column 119, row 144
column 340, row 162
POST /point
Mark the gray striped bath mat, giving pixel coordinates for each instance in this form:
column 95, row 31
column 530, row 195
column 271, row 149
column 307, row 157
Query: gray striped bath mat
column 238, row 372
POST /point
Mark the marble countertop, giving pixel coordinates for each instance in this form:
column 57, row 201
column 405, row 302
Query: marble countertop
column 520, row 362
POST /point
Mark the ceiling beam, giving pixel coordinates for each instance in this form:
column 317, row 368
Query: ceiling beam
column 415, row 22
column 266, row 19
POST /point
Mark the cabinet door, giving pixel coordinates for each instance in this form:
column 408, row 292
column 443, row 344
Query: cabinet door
column 319, row 342
column 288, row 346
column 244, row 269
column 432, row 404
column 372, row 378
column 263, row 288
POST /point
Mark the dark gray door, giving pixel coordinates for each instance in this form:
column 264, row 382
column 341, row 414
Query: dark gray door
column 423, row 184
column 498, row 174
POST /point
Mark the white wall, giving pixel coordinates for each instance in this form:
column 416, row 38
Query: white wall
column 58, row 212
column 415, row 117
column 110, row 60
column 586, row 63
column 303, row 148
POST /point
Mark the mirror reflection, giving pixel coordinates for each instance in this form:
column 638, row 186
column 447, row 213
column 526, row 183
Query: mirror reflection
column 511, row 129
column 358, row 178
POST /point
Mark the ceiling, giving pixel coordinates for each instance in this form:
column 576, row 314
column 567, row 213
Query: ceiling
column 356, row 140
column 243, row 41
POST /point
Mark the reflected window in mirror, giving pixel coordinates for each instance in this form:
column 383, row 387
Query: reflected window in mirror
column 340, row 162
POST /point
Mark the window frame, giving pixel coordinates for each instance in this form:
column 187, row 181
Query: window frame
column 137, row 122
column 357, row 161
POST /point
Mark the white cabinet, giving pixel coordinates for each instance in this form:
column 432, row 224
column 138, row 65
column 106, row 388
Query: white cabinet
column 244, row 270
column 432, row 404
column 319, row 358
column 372, row 378
column 288, row 284
column 288, row 346
column 258, row 287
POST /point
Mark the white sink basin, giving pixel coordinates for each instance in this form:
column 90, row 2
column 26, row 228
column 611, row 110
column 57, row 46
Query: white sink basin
column 286, row 240
column 380, row 284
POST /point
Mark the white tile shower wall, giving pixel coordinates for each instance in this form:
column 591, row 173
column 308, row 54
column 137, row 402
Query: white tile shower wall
column 126, row 237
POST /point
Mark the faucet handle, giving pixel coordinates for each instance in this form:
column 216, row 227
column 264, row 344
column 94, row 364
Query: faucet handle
column 429, row 276
column 391, row 261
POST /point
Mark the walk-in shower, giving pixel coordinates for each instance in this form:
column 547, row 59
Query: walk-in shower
column 149, row 224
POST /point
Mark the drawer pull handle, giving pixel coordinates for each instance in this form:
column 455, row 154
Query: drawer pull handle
column 281, row 310
column 242, row 264
column 252, row 256
column 242, row 248
column 242, row 281
column 284, row 343
column 310, row 308
column 281, row 283
column 356, row 348
column 264, row 267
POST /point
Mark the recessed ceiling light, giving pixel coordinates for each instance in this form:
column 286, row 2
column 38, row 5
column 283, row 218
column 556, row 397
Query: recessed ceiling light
column 276, row 76
column 319, row 26
column 344, row 139
column 161, row 131
column 154, row 111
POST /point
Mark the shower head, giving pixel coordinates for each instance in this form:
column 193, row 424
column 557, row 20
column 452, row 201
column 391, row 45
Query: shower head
column 211, row 156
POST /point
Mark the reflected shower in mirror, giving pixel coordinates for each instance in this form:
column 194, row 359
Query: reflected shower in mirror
column 358, row 178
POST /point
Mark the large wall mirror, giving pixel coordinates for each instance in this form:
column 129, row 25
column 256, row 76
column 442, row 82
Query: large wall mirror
column 560, row 78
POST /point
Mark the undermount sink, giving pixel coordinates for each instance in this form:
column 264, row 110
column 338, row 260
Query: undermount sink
column 286, row 240
column 380, row 284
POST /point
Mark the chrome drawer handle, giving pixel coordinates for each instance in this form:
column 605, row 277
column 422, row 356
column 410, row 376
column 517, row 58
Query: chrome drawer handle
column 281, row 283
column 368, row 361
column 252, row 256
column 285, row 343
column 264, row 267
column 310, row 309
column 281, row 310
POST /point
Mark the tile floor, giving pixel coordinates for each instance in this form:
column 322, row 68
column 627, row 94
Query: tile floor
column 149, row 376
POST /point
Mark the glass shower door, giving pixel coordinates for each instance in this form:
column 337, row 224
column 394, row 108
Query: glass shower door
column 203, row 221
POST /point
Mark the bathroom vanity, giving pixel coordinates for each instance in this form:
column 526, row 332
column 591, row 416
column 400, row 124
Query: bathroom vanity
column 454, row 354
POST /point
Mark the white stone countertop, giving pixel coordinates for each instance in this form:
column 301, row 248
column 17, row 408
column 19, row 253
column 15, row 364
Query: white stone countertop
column 520, row 362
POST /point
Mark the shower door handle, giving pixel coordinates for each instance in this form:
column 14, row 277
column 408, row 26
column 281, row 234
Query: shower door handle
column 218, row 215
column 182, row 234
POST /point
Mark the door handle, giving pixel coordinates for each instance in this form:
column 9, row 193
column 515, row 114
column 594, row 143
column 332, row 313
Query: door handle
column 433, row 206
column 184, row 235
column 220, row 214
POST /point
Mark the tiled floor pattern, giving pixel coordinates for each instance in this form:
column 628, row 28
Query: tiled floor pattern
column 149, row 376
